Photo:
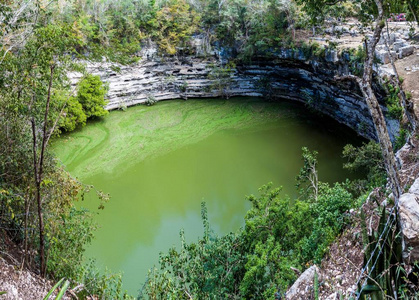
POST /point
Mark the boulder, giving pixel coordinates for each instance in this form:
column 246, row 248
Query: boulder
column 393, row 38
column 406, row 51
column 414, row 188
column 332, row 56
column 399, row 44
column 303, row 285
column 409, row 221
column 382, row 56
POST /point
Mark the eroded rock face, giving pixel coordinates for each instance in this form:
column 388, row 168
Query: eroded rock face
column 288, row 74
column 409, row 220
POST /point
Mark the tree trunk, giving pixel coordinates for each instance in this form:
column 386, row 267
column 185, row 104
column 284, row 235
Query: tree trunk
column 365, row 84
column 374, row 107
column 38, row 201
column 38, row 164
column 413, row 12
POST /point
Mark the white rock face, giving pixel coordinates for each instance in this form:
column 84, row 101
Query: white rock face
column 414, row 189
column 291, row 76
column 409, row 220
column 399, row 47
column 303, row 284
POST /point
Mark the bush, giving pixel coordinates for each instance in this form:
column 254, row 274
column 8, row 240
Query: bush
column 401, row 139
column 255, row 262
column 329, row 211
column 366, row 159
column 73, row 115
column 73, row 231
column 91, row 95
column 104, row 285
column 151, row 100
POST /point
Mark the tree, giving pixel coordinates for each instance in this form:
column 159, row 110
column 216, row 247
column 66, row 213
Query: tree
column 17, row 19
column 47, row 47
column 73, row 115
column 308, row 176
column 365, row 84
column 30, row 76
column 91, row 95
column 174, row 24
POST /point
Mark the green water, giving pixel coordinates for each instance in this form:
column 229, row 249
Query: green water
column 158, row 163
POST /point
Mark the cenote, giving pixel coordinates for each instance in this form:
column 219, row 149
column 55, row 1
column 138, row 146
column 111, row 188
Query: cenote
column 159, row 163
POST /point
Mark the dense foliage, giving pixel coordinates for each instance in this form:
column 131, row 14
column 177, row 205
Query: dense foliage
column 255, row 262
column 37, row 197
column 88, row 103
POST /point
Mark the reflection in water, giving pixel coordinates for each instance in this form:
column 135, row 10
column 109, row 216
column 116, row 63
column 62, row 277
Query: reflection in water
column 158, row 163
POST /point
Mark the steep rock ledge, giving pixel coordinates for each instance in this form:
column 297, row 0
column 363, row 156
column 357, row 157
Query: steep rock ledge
column 288, row 73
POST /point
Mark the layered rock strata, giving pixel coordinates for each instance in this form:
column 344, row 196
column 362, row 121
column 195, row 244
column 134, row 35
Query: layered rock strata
column 287, row 74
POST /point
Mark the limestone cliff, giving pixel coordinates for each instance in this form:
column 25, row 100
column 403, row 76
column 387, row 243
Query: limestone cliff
column 285, row 74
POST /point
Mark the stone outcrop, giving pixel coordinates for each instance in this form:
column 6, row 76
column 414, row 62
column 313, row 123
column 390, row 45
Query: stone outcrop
column 286, row 74
column 409, row 221
column 303, row 286
column 398, row 44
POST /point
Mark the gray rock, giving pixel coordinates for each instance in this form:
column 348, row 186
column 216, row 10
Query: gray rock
column 332, row 56
column 409, row 221
column 303, row 282
column 341, row 29
column 393, row 54
column 414, row 189
column 399, row 44
column 402, row 153
column 406, row 51
column 383, row 56
column 393, row 38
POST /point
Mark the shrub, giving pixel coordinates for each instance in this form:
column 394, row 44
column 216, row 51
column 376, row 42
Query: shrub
column 91, row 95
column 401, row 139
column 151, row 100
column 255, row 262
column 72, row 116
column 72, row 232
column 329, row 211
column 368, row 160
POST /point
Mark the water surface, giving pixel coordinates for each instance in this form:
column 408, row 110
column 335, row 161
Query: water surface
column 158, row 163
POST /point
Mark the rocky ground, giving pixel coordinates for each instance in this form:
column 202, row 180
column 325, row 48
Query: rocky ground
column 21, row 285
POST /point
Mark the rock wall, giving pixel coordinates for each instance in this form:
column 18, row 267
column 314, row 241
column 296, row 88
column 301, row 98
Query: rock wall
column 286, row 74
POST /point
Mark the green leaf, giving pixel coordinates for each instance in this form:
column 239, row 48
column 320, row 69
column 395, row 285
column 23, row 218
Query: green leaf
column 63, row 290
column 53, row 289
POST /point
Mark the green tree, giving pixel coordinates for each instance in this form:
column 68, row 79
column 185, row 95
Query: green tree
column 308, row 179
column 208, row 269
column 368, row 160
column 174, row 24
column 376, row 8
column 72, row 116
column 91, row 95
column 45, row 63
